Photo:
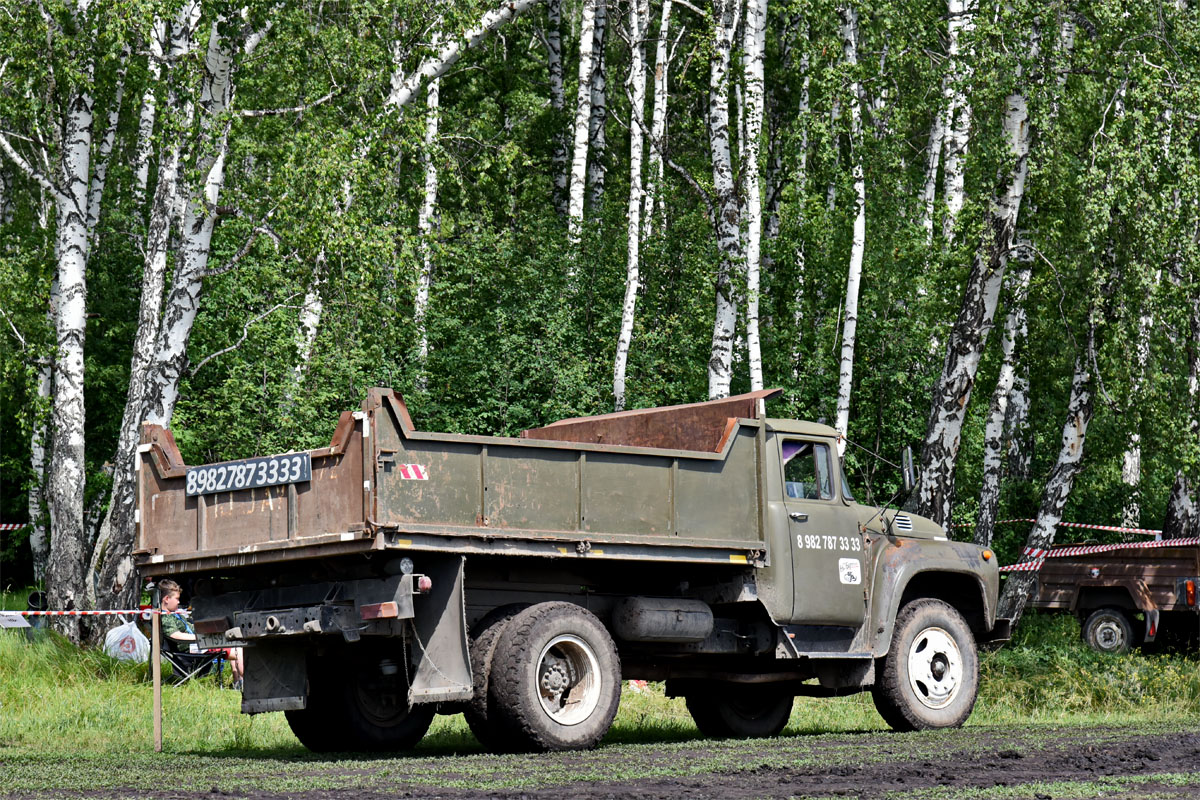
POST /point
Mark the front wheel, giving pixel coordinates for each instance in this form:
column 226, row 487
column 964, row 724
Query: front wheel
column 1108, row 630
column 930, row 676
column 740, row 711
column 555, row 679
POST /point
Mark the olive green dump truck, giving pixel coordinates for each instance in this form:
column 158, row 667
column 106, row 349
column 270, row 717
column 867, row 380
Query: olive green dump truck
column 397, row 574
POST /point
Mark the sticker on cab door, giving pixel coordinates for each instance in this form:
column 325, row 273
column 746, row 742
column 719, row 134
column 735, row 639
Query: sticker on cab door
column 850, row 571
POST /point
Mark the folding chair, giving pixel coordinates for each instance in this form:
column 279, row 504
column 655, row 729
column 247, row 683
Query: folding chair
column 186, row 666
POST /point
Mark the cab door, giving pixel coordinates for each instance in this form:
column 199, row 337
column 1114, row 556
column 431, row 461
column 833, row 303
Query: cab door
column 827, row 546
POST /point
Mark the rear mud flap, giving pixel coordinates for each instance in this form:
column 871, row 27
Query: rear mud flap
column 441, row 666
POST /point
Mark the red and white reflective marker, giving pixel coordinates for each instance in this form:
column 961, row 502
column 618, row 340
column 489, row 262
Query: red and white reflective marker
column 413, row 472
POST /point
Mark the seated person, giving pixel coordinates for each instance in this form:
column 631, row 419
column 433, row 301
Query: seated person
column 178, row 634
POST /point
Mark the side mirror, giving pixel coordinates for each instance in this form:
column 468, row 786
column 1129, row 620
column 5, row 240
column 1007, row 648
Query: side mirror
column 908, row 470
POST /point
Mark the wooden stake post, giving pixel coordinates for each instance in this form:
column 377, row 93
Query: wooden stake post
column 156, row 666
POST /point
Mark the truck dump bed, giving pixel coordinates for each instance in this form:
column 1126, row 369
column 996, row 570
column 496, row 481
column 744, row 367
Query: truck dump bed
column 678, row 483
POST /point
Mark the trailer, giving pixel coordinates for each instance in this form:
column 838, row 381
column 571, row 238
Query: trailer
column 399, row 573
column 1126, row 595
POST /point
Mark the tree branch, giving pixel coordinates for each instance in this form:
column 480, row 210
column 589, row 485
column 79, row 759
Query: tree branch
column 245, row 333
column 267, row 112
column 30, row 171
column 245, row 249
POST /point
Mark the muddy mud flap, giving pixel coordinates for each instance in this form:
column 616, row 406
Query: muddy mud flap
column 441, row 666
column 276, row 677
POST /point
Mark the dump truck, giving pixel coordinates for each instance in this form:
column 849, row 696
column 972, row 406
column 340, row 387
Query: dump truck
column 1126, row 595
column 398, row 574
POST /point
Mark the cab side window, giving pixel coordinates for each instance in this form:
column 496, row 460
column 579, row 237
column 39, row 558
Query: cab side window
column 807, row 474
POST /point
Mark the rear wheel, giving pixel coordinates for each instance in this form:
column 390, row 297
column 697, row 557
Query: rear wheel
column 1108, row 630
column 555, row 680
column 930, row 676
column 478, row 713
column 361, row 705
column 741, row 711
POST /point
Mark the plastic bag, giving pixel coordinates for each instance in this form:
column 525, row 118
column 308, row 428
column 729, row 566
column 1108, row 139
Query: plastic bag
column 127, row 643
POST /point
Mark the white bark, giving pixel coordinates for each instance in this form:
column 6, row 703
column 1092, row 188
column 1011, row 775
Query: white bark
column 404, row 87
column 1015, row 330
column 583, row 115
column 65, row 481
column 638, row 12
column 1131, row 463
column 849, row 31
column 656, row 174
column 149, row 111
column 1080, row 408
column 958, row 110
column 964, row 349
column 933, row 153
column 427, row 224
column 103, row 152
column 754, row 54
column 554, row 66
column 728, row 210
column 801, row 182
column 39, row 543
column 597, row 134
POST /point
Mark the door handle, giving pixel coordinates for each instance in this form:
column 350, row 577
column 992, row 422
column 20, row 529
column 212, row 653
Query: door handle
column 798, row 516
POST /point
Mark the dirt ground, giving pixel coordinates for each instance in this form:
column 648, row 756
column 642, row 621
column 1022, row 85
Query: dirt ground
column 1032, row 763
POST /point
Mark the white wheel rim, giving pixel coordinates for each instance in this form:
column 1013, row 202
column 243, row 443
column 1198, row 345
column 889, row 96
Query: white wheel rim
column 1109, row 635
column 568, row 679
column 935, row 668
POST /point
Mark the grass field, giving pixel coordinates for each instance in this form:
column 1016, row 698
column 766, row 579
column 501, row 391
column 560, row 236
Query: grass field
column 67, row 716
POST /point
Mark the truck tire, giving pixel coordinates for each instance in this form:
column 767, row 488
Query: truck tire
column 1108, row 630
column 484, row 638
column 359, row 702
column 318, row 725
column 555, row 681
column 930, row 676
column 739, row 711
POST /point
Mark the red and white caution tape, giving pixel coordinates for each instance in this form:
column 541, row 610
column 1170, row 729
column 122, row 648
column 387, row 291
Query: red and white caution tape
column 12, row 526
column 1033, row 558
column 110, row 612
column 1113, row 528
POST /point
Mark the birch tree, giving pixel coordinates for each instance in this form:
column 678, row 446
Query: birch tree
column 427, row 221
column 583, row 117
column 1080, row 409
column 754, row 54
column 656, row 173
column 727, row 206
column 554, row 67
column 952, row 394
column 957, row 127
column 597, row 133
column 849, row 32
column 639, row 11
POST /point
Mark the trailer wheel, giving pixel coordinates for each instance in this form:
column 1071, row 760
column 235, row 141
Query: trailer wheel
column 739, row 711
column 1108, row 630
column 555, row 681
column 478, row 712
column 375, row 702
column 930, row 676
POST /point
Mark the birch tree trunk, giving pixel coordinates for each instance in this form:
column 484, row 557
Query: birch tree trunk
column 943, row 437
column 597, row 134
column 1080, row 408
column 754, row 55
column 728, row 211
column 149, row 111
column 639, row 11
column 933, row 156
column 801, row 182
column 104, row 151
column 426, row 225
column 1015, row 330
column 554, row 66
column 1131, row 463
column 39, row 543
column 849, row 31
column 67, row 473
column 958, row 110
column 583, row 116
column 656, row 174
